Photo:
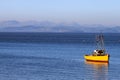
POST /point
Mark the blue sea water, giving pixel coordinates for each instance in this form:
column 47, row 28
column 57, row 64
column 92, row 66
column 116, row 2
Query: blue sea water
column 56, row 56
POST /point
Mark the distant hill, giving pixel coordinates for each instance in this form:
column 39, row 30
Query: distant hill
column 46, row 26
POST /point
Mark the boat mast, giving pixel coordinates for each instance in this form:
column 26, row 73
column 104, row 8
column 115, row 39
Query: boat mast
column 100, row 42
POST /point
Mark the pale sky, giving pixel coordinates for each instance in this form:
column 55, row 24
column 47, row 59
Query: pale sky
column 106, row 12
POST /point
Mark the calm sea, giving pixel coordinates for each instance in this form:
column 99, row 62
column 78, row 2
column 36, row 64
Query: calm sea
column 56, row 56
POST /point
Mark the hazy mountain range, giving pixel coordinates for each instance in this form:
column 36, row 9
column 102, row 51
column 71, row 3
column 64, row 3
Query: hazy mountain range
column 46, row 26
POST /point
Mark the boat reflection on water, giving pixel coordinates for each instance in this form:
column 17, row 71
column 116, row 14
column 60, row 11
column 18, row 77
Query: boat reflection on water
column 99, row 70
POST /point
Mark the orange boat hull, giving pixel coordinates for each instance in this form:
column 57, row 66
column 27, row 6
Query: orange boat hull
column 104, row 58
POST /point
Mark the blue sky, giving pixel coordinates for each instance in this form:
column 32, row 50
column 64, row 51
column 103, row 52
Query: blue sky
column 106, row 12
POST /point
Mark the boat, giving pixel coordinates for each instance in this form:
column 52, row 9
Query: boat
column 99, row 54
